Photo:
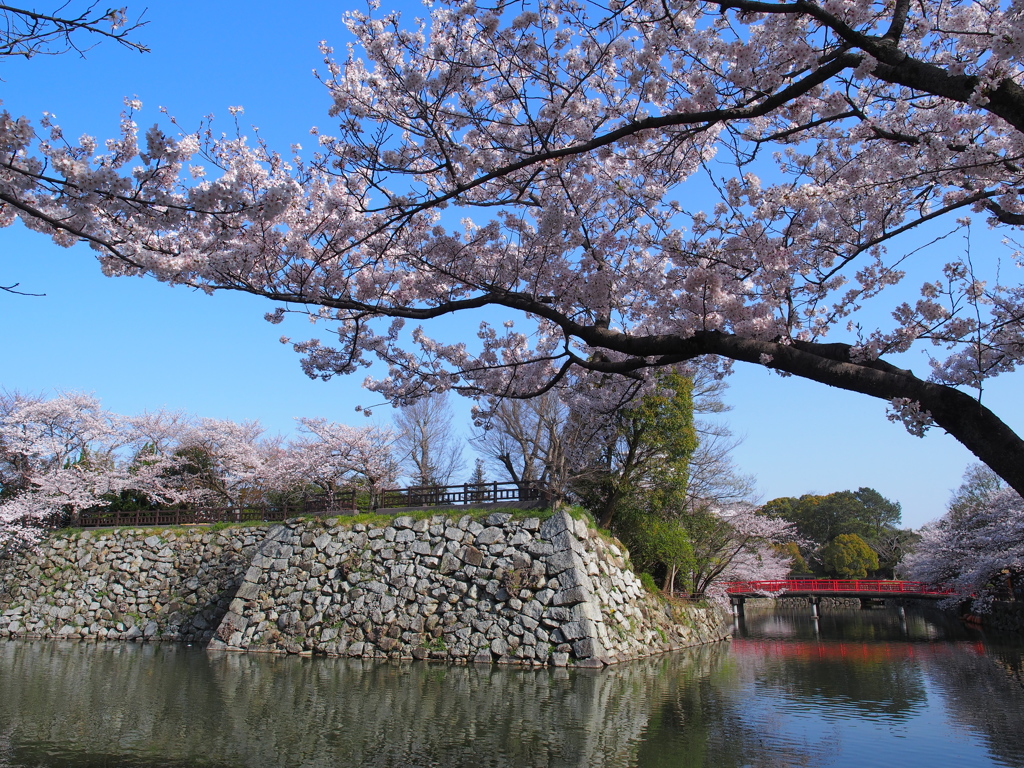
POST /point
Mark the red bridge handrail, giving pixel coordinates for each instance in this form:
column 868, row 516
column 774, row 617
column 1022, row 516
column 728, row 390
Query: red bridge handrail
column 836, row 586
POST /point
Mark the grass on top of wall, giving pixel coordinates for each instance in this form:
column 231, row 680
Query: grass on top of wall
column 327, row 521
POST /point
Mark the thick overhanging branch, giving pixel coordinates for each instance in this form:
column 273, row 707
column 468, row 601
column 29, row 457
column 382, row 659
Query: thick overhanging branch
column 894, row 65
column 963, row 417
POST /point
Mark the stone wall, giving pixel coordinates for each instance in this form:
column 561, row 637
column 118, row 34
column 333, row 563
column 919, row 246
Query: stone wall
column 126, row 584
column 1002, row 615
column 506, row 589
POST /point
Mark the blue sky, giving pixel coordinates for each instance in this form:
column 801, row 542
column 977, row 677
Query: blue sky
column 141, row 345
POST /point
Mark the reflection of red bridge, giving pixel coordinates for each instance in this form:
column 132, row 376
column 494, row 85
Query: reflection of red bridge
column 868, row 590
column 836, row 587
column 849, row 651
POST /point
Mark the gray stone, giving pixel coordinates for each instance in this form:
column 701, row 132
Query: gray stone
column 558, row 522
column 575, row 630
column 471, row 555
column 567, row 541
column 586, row 647
column 562, row 561
column 573, row 577
column 421, row 548
column 540, row 548
column 449, row 563
column 490, row 536
column 497, row 518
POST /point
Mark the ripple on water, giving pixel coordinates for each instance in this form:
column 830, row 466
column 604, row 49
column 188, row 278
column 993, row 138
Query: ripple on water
column 779, row 695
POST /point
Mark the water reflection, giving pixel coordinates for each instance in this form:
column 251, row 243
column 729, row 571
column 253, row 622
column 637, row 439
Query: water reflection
column 919, row 675
column 169, row 705
column 869, row 688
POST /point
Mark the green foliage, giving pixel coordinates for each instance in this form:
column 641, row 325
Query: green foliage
column 648, row 582
column 435, row 644
column 648, row 452
column 712, row 540
column 656, row 542
column 130, row 500
column 798, row 565
column 848, row 556
column 864, row 513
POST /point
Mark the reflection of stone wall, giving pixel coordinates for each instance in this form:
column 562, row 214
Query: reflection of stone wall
column 507, row 590
column 176, row 706
column 125, row 584
column 1004, row 616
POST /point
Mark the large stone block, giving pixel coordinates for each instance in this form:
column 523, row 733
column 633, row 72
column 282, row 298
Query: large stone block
column 556, row 524
column 575, row 577
column 567, row 540
column 571, row 596
column 490, row 536
column 471, row 555
column 563, row 561
column 576, row 630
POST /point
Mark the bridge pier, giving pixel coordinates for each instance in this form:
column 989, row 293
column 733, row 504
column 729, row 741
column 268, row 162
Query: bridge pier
column 737, row 605
column 814, row 600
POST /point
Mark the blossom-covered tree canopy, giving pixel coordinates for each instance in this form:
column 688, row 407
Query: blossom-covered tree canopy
column 641, row 183
column 65, row 454
column 977, row 547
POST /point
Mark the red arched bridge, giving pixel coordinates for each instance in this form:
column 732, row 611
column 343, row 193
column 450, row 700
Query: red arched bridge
column 867, row 590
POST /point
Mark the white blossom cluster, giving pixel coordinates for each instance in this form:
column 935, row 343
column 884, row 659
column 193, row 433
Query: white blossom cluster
column 813, row 137
column 974, row 549
column 66, row 454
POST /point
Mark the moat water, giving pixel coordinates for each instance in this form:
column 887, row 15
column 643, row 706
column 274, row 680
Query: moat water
column 855, row 688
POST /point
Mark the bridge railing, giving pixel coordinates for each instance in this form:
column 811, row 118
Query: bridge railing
column 836, row 586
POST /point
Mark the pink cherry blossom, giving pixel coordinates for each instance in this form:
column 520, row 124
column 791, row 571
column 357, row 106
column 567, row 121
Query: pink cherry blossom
column 641, row 185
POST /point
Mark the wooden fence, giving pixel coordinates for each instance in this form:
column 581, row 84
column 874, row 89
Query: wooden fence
column 349, row 501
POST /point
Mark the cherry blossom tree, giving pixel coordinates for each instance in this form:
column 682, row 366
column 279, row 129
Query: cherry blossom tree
column 222, row 462
column 329, row 456
column 641, row 184
column 733, row 542
column 65, row 454
column 977, row 544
